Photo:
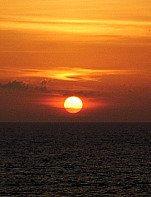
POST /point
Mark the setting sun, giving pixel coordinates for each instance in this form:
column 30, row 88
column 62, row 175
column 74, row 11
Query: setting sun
column 73, row 104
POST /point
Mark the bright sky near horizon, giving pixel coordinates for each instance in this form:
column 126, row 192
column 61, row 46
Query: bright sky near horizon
column 97, row 50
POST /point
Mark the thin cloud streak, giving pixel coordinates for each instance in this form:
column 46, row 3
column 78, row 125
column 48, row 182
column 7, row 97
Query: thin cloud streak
column 79, row 26
column 67, row 74
column 73, row 21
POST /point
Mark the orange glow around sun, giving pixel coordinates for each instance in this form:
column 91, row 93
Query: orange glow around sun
column 73, row 104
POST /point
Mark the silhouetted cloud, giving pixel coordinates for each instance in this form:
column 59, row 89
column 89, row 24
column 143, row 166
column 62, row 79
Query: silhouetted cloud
column 21, row 86
column 44, row 87
column 15, row 85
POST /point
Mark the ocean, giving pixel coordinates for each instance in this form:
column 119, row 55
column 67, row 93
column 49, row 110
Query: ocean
column 75, row 159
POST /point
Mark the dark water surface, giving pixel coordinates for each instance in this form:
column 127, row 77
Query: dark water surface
column 75, row 159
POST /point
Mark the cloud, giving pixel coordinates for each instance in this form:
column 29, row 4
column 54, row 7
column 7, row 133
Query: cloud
column 15, row 85
column 75, row 74
column 44, row 20
column 130, row 28
column 45, row 87
column 66, row 74
column 21, row 86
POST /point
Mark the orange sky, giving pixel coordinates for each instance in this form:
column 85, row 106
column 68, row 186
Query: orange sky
column 98, row 50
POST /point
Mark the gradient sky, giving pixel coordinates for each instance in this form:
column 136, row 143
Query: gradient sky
column 97, row 50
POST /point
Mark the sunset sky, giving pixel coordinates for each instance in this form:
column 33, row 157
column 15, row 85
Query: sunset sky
column 97, row 50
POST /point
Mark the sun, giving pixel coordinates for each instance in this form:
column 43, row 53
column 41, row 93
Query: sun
column 73, row 104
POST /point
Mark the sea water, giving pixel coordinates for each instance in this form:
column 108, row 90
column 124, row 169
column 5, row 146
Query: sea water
column 75, row 159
